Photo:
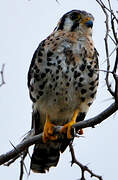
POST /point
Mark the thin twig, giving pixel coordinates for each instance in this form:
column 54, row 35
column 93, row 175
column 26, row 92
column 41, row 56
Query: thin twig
column 22, row 165
column 2, row 75
column 84, row 168
column 115, row 41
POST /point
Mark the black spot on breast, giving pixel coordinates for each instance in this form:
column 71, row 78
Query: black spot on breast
column 66, row 99
column 95, row 66
column 35, row 67
column 55, row 44
column 52, row 75
column 72, row 58
column 84, row 60
column 92, row 88
column 59, row 61
column 42, row 86
column 72, row 69
column 70, row 79
column 42, row 43
column 36, row 76
column 88, row 67
column 50, row 86
column 47, row 70
column 32, row 98
column 40, row 93
column 57, row 93
column 39, row 60
column 57, row 38
column 37, row 97
column 59, row 67
column 83, row 91
column 40, row 53
column 74, row 63
column 43, row 75
column 68, row 62
column 55, row 84
column 81, row 79
column 66, row 76
column 49, row 53
column 57, row 77
column 49, row 64
column 82, row 67
column 76, row 74
column 82, row 99
column 93, row 95
column 92, row 83
column 90, row 74
column 89, row 104
column 66, row 92
column 57, row 71
column 80, row 84
column 76, row 88
column 67, row 84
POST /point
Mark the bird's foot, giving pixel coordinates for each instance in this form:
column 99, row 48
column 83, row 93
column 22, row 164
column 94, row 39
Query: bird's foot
column 48, row 131
column 67, row 127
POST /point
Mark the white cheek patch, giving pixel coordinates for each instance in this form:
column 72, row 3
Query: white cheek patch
column 68, row 24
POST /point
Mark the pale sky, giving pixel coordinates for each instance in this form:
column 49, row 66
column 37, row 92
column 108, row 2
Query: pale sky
column 23, row 24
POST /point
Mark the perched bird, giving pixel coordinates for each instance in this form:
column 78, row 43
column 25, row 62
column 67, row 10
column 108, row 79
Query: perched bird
column 62, row 80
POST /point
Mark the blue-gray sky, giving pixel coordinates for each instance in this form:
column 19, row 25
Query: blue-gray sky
column 23, row 24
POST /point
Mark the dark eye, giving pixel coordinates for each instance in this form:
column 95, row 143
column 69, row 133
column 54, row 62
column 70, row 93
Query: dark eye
column 74, row 16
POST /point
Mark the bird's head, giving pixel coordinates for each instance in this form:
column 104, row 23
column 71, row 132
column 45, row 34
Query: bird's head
column 76, row 21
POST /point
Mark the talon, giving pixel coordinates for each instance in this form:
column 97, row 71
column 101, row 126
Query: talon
column 48, row 131
column 67, row 127
column 81, row 132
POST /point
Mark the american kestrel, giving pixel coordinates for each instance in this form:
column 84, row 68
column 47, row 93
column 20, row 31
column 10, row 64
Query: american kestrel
column 62, row 80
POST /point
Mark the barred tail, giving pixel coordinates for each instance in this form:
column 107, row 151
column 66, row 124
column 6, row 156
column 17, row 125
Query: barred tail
column 45, row 156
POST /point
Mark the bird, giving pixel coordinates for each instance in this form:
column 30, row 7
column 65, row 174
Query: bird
column 62, row 79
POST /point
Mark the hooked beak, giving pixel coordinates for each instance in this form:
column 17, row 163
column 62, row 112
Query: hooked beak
column 89, row 24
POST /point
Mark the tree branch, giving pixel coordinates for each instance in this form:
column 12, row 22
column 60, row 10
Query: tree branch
column 27, row 142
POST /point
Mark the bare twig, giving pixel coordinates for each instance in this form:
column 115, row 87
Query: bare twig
column 22, row 164
column 2, row 75
column 84, row 168
column 108, row 11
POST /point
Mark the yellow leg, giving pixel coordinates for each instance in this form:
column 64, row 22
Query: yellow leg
column 48, row 130
column 68, row 126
